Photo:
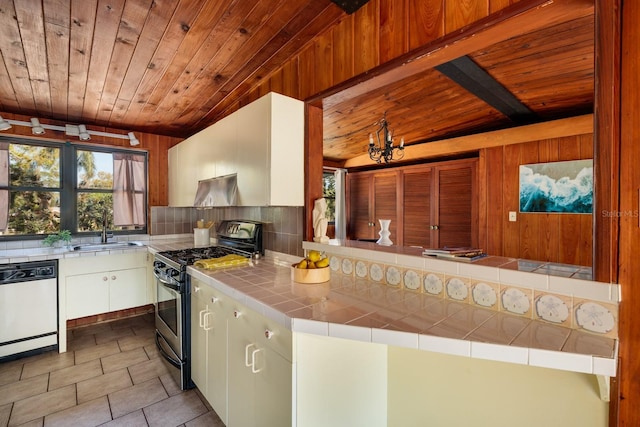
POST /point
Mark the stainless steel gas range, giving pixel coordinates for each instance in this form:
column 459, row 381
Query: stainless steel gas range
column 173, row 290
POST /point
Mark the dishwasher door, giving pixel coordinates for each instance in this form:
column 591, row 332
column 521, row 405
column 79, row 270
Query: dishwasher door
column 28, row 316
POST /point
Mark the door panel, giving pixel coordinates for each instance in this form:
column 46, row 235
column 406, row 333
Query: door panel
column 455, row 189
column 417, row 208
column 359, row 216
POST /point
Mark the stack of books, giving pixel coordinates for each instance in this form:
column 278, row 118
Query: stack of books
column 467, row 254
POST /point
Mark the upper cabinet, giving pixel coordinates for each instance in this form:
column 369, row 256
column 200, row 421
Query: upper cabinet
column 263, row 143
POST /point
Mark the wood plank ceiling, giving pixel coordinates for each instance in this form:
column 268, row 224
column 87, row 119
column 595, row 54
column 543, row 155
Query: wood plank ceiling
column 548, row 72
column 174, row 67
column 163, row 66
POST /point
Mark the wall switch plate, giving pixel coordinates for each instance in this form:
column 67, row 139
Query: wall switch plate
column 512, row 216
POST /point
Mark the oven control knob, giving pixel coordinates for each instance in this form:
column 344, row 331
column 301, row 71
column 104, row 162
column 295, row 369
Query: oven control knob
column 268, row 334
column 236, row 313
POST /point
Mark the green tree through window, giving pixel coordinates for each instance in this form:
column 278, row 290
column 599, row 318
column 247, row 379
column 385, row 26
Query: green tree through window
column 329, row 193
column 61, row 186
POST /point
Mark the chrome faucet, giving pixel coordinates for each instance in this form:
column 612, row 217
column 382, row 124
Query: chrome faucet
column 104, row 236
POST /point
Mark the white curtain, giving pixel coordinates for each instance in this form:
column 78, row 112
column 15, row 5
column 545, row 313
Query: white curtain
column 341, row 214
column 4, row 185
column 129, row 188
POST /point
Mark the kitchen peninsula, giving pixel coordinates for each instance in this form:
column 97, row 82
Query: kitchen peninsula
column 376, row 352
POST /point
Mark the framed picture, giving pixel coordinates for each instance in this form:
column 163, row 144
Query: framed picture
column 559, row 187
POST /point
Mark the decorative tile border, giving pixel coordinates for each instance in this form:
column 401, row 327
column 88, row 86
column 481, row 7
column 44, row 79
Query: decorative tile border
column 530, row 298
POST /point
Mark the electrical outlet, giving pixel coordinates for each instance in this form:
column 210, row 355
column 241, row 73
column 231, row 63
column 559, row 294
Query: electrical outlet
column 512, row 216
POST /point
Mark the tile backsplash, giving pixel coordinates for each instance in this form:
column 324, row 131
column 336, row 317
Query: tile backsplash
column 283, row 225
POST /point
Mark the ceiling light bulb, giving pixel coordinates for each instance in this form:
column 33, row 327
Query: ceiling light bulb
column 133, row 140
column 83, row 134
column 4, row 125
column 36, row 127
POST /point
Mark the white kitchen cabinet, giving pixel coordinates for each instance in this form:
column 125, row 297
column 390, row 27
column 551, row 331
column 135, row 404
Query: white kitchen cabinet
column 241, row 361
column 209, row 313
column 104, row 283
column 187, row 165
column 271, row 152
column 263, row 143
column 259, row 371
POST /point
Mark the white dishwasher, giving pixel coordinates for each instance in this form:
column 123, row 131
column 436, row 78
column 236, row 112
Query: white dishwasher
column 28, row 308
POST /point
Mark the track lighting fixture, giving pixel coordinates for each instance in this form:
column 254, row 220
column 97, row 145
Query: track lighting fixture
column 4, row 125
column 83, row 134
column 133, row 141
column 36, row 127
column 80, row 131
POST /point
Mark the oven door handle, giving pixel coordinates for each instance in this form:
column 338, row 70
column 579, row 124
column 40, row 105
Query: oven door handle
column 167, row 284
column 164, row 354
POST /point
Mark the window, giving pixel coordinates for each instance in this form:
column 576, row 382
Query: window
column 45, row 188
column 329, row 193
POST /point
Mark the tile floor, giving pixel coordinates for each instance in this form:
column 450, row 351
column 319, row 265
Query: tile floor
column 110, row 376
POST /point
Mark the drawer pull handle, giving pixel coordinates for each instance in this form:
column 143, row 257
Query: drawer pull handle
column 268, row 334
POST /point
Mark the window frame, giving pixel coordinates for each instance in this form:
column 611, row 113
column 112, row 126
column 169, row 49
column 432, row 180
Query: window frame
column 69, row 190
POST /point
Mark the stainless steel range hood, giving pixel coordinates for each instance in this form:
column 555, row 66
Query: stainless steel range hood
column 215, row 192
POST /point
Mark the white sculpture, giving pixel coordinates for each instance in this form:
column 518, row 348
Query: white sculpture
column 320, row 221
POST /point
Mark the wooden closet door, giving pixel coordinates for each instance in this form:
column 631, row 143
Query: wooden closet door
column 385, row 190
column 417, row 208
column 360, row 200
column 455, row 205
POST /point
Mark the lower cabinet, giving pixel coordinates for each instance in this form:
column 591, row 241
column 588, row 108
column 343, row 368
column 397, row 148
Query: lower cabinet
column 245, row 370
column 260, row 371
column 209, row 312
column 107, row 283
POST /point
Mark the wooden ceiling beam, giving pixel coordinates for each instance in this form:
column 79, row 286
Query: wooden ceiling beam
column 518, row 19
column 477, row 81
column 579, row 125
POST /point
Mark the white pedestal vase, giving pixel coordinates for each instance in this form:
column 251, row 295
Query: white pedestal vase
column 384, row 233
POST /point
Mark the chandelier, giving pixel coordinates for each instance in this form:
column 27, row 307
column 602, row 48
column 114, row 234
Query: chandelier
column 382, row 147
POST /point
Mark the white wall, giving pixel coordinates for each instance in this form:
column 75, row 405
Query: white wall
column 432, row 389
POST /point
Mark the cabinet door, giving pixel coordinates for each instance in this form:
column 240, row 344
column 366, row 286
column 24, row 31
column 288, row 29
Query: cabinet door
column 216, row 325
column 417, row 222
column 455, row 205
column 127, row 288
column 241, row 388
column 199, row 338
column 87, row 294
column 273, row 388
column 253, row 153
column 174, row 176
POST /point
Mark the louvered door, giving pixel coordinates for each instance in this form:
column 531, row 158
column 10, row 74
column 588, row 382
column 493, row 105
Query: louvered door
column 455, row 210
column 372, row 196
column 417, row 221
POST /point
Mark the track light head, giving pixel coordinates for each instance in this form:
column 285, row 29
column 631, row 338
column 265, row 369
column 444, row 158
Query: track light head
column 133, row 141
column 4, row 125
column 83, row 134
column 36, row 127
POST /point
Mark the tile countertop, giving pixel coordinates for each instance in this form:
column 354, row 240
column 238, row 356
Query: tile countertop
column 359, row 309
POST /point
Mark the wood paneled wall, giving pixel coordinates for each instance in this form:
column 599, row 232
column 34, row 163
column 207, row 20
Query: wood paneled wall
column 563, row 238
column 157, row 147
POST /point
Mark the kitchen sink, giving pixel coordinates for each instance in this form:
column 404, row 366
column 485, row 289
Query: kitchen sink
column 106, row 246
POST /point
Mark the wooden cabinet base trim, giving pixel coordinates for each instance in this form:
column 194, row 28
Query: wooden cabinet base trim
column 111, row 316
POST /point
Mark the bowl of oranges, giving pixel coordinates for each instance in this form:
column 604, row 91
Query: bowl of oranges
column 314, row 268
